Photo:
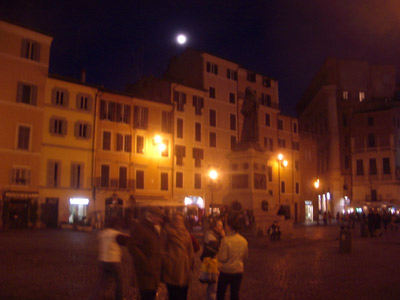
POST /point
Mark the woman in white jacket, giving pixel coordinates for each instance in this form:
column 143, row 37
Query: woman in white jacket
column 232, row 252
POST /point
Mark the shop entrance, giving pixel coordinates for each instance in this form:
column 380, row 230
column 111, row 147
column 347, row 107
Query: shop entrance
column 309, row 211
column 18, row 213
column 51, row 212
column 114, row 209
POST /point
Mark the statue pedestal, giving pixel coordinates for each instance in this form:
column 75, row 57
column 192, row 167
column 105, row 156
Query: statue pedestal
column 250, row 186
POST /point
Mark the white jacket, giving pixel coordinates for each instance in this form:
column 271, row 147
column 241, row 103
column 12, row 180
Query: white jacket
column 232, row 252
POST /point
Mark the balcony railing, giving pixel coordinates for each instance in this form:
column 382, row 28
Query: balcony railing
column 114, row 183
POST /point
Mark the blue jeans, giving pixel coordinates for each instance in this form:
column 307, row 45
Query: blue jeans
column 107, row 270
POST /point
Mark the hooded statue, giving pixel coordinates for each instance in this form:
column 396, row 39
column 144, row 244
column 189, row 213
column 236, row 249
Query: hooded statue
column 250, row 123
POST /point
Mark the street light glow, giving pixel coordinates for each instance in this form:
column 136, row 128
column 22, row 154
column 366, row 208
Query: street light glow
column 285, row 163
column 181, row 39
column 280, row 156
column 162, row 147
column 213, row 174
column 316, row 183
column 157, row 139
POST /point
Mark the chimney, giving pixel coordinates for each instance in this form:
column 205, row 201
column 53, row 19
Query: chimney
column 83, row 76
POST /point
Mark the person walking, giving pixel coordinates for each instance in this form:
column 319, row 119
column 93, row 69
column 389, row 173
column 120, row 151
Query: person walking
column 178, row 261
column 212, row 242
column 145, row 247
column 232, row 252
column 110, row 254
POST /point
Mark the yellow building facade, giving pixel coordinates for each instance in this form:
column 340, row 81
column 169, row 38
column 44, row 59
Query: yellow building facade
column 24, row 60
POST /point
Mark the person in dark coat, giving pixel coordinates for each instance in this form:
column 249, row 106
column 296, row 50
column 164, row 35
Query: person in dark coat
column 145, row 246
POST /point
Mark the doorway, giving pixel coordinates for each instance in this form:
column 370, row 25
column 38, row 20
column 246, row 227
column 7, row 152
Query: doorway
column 51, row 212
column 309, row 211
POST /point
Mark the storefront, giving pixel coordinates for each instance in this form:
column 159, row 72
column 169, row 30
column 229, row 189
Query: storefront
column 309, row 213
column 19, row 209
column 78, row 210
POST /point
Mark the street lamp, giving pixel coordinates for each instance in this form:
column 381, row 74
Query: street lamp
column 316, row 183
column 157, row 141
column 213, row 175
column 284, row 163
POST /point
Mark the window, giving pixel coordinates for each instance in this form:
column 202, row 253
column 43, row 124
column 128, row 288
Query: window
column 180, row 153
column 166, row 121
column 212, row 68
column 58, row 126
column 198, row 132
column 120, row 142
column 123, row 177
column 139, row 179
column 296, row 165
column 76, row 175
column 27, row 93
column 83, row 130
column 60, row 97
column 370, row 121
column 20, row 176
column 232, row 98
column 267, row 120
column 345, row 95
column 346, row 141
column 251, row 76
column 213, row 118
column 265, row 99
column 84, row 102
column 180, row 100
column 266, row 82
column 30, row 49
column 211, row 92
column 105, row 176
column 296, row 146
column 139, row 144
column 280, row 124
column 213, row 139
column 361, row 96
column 24, row 133
column 295, row 127
column 386, row 165
column 371, row 140
column 140, row 116
column 53, row 173
column 165, row 153
column 268, row 144
column 179, row 128
column 283, row 187
column 198, row 155
column 197, row 181
column 231, row 74
column 281, row 143
column 344, row 119
column 233, row 122
column 128, row 143
column 297, row 188
column 179, row 179
column 198, row 103
column 109, row 110
column 372, row 166
column 106, row 140
column 269, row 170
column 233, row 141
column 346, row 162
column 360, row 167
column 164, row 181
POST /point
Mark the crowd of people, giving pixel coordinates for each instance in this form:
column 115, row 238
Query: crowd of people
column 164, row 251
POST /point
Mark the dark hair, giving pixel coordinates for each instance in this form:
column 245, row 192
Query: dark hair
column 233, row 222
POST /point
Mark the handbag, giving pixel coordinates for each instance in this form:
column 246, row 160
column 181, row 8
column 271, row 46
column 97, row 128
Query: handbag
column 209, row 270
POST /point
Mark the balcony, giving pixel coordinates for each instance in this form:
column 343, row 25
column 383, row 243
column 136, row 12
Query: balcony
column 114, row 183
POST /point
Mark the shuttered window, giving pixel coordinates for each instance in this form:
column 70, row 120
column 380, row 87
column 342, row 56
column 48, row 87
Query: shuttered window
column 27, row 93
column 139, row 179
column 53, row 173
column 106, row 140
column 77, row 175
column 164, row 181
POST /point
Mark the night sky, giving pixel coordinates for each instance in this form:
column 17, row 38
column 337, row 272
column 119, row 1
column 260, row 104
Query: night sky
column 119, row 41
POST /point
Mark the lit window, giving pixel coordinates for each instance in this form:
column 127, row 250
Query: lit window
column 345, row 95
column 361, row 96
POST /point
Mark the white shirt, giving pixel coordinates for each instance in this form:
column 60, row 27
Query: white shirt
column 109, row 250
column 233, row 250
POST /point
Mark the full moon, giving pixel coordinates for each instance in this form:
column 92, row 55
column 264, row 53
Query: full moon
column 181, row 39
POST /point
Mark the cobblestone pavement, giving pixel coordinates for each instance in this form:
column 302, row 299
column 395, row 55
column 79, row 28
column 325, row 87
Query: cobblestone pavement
column 61, row 264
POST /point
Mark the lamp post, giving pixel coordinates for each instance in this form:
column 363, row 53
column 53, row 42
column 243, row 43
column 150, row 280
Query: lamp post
column 284, row 163
column 213, row 175
column 316, row 185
